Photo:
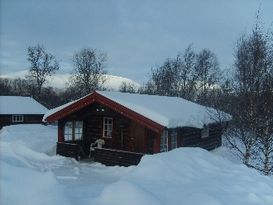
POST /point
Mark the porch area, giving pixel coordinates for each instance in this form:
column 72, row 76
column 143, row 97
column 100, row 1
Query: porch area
column 110, row 157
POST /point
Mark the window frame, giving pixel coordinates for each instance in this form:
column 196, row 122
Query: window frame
column 17, row 118
column 164, row 141
column 78, row 130
column 106, row 125
column 173, row 136
column 72, row 131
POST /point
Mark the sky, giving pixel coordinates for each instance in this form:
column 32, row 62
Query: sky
column 136, row 35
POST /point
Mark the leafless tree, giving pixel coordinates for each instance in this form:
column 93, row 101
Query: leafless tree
column 127, row 87
column 252, row 133
column 208, row 72
column 88, row 70
column 42, row 65
column 20, row 86
column 5, row 86
column 188, row 75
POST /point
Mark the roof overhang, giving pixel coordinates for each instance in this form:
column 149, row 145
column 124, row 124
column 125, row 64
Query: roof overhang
column 96, row 97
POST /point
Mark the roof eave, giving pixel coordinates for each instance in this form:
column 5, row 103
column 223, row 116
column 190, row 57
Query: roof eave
column 96, row 97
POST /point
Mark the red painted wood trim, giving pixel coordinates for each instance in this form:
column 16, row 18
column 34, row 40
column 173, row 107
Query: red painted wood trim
column 96, row 97
column 157, row 144
column 60, row 132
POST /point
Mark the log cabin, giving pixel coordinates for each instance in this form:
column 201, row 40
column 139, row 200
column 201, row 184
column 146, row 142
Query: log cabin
column 20, row 110
column 132, row 125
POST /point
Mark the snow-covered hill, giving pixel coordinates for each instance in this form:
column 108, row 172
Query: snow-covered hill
column 185, row 176
column 60, row 81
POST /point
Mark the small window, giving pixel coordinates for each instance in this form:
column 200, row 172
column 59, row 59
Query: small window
column 17, row 118
column 205, row 131
column 174, row 139
column 164, row 141
column 107, row 127
column 68, row 131
column 78, row 130
column 73, row 130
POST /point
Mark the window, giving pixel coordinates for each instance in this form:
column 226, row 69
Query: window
column 164, row 141
column 17, row 118
column 174, row 139
column 73, row 130
column 107, row 127
column 205, row 131
column 78, row 130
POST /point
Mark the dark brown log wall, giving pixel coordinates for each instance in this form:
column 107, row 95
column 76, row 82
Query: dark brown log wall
column 117, row 157
column 134, row 134
column 191, row 137
column 28, row 119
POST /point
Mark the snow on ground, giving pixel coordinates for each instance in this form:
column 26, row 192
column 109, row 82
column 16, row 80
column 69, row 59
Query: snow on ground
column 189, row 176
column 34, row 136
column 31, row 177
column 186, row 176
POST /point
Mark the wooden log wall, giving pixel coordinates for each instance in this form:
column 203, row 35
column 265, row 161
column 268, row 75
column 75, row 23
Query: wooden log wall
column 111, row 157
column 68, row 150
column 28, row 119
column 191, row 137
column 74, row 149
column 134, row 134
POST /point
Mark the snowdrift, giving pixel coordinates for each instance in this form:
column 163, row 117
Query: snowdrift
column 190, row 176
column 26, row 177
column 186, row 176
column 34, row 136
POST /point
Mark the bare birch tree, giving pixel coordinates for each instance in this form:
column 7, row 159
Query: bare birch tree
column 88, row 70
column 42, row 66
column 252, row 133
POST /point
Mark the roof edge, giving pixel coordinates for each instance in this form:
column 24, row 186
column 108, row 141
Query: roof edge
column 97, row 97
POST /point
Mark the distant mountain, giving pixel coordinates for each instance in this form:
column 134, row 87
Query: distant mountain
column 60, row 81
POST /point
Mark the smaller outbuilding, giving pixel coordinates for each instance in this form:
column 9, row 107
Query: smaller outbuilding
column 20, row 110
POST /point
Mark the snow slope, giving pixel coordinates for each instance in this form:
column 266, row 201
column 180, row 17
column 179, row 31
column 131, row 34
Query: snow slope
column 186, row 176
column 37, row 137
column 189, row 176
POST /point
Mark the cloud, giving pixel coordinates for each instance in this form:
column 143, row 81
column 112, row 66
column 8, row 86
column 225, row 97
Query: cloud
column 134, row 34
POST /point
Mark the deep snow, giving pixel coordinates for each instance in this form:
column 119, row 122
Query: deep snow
column 20, row 105
column 183, row 176
column 167, row 111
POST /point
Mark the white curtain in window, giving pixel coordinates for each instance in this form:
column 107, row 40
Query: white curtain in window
column 68, row 130
column 164, row 141
column 78, row 130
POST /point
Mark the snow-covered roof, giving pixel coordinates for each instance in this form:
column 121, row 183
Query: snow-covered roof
column 20, row 105
column 169, row 112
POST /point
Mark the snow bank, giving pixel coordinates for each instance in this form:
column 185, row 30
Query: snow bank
column 189, row 176
column 34, row 136
column 186, row 176
column 34, row 178
column 26, row 177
